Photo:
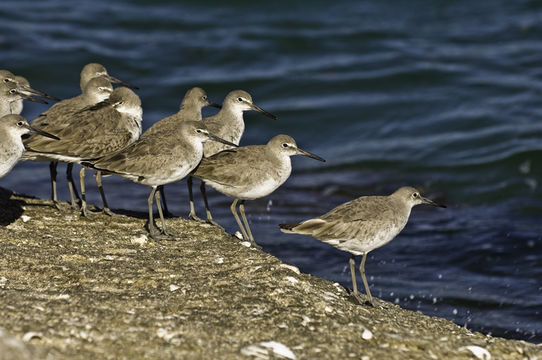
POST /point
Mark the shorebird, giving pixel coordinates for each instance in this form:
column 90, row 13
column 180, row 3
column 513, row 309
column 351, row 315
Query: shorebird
column 9, row 97
column 61, row 115
column 250, row 172
column 190, row 110
column 92, row 70
column 93, row 132
column 228, row 124
column 158, row 159
column 12, row 127
column 23, row 87
column 93, row 92
column 362, row 225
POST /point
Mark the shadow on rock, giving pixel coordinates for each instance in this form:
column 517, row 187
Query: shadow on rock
column 10, row 210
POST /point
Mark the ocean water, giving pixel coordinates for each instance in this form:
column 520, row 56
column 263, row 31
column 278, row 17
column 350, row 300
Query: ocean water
column 444, row 96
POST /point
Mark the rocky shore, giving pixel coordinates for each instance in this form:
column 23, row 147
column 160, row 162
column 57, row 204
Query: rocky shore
column 76, row 288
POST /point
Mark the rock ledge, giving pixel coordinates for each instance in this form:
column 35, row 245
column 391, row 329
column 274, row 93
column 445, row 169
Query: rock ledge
column 73, row 288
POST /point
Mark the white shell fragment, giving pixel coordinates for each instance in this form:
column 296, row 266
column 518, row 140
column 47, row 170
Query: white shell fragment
column 267, row 350
column 32, row 335
column 291, row 279
column 291, row 267
column 367, row 334
column 139, row 240
column 478, row 351
column 173, row 287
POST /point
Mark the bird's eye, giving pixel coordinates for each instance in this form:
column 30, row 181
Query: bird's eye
column 6, row 80
column 240, row 99
column 204, row 97
column 415, row 195
column 284, row 145
column 20, row 123
column 199, row 131
column 12, row 91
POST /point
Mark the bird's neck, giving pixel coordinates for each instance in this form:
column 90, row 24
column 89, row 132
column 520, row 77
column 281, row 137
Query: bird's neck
column 232, row 116
column 193, row 111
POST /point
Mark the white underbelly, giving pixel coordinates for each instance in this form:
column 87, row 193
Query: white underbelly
column 244, row 192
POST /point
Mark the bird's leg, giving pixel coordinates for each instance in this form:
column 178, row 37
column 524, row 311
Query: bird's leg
column 106, row 210
column 165, row 234
column 207, row 210
column 352, row 262
column 84, row 211
column 247, row 227
column 153, row 232
column 54, row 196
column 234, row 212
column 192, row 215
column 362, row 272
column 167, row 213
column 72, row 188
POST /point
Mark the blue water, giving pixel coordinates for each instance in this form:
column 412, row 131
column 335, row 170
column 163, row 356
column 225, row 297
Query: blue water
column 445, row 96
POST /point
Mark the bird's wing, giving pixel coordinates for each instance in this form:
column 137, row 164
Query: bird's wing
column 134, row 157
column 339, row 232
column 223, row 167
column 86, row 136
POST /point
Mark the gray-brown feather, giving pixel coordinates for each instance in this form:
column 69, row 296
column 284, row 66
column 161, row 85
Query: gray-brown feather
column 223, row 167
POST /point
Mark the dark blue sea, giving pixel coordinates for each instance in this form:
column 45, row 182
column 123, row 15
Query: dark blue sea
column 442, row 95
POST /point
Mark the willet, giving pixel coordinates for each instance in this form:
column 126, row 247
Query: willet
column 190, row 110
column 12, row 127
column 228, row 124
column 58, row 117
column 93, row 70
column 362, row 225
column 93, row 132
column 23, row 87
column 10, row 95
column 93, row 91
column 158, row 159
column 250, row 172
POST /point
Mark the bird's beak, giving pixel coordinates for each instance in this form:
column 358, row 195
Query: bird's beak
column 260, row 110
column 120, row 82
column 431, row 202
column 25, row 96
column 220, row 140
column 27, row 90
column 95, row 107
column 311, row 155
column 44, row 133
column 218, row 106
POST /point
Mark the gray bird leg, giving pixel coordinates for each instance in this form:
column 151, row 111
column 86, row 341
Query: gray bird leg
column 71, row 187
column 234, row 212
column 106, row 210
column 192, row 215
column 52, row 171
column 165, row 235
column 153, row 232
column 362, row 272
column 84, row 211
column 247, row 227
column 207, row 210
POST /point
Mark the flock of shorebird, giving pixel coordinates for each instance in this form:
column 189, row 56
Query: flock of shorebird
column 101, row 129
